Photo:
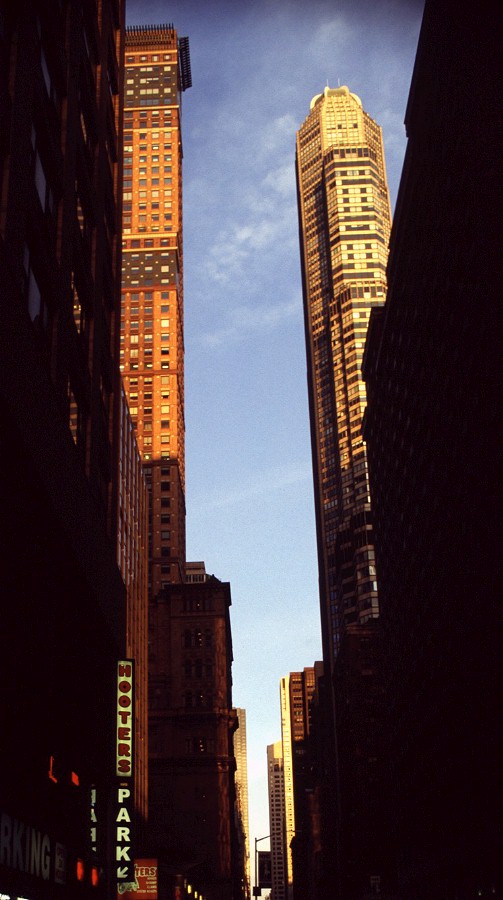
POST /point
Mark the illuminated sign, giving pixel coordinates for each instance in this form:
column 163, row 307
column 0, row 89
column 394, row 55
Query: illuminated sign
column 123, row 834
column 264, row 869
column 144, row 886
column 125, row 718
column 93, row 827
column 24, row 848
column 60, row 864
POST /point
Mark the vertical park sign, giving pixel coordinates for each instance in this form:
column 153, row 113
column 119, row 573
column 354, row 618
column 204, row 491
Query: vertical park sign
column 124, row 771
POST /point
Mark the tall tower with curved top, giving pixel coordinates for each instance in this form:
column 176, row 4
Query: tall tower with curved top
column 345, row 220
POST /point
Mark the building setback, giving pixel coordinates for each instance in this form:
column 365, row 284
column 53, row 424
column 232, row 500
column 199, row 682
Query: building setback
column 434, row 437
column 63, row 598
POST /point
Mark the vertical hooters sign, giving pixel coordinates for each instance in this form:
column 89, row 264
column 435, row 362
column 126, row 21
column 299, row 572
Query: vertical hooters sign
column 124, row 767
column 125, row 718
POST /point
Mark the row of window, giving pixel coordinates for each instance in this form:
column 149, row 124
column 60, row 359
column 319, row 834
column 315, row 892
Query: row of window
column 196, row 668
column 150, row 57
column 196, row 637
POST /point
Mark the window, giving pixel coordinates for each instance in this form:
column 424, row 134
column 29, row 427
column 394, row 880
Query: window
column 37, row 307
column 76, row 418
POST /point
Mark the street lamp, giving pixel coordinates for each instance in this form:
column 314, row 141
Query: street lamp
column 257, row 890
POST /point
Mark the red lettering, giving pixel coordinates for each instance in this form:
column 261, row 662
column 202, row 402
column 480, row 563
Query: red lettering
column 124, row 716
column 124, row 750
column 124, row 701
column 124, row 766
column 125, row 687
column 125, row 671
column 124, row 734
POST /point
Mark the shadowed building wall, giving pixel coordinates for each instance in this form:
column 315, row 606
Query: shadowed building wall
column 434, row 437
column 63, row 598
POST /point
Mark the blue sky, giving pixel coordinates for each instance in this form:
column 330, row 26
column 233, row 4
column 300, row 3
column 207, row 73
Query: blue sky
column 255, row 67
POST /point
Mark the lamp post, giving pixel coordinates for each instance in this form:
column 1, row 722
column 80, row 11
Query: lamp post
column 257, row 890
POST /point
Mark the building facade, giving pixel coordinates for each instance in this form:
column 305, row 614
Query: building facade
column 157, row 71
column 63, row 598
column 276, row 792
column 301, row 686
column 192, row 721
column 345, row 222
column 132, row 554
column 243, row 826
column 289, row 805
column 434, row 437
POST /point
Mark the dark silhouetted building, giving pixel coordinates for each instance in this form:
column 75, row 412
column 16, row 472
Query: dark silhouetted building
column 63, row 598
column 433, row 429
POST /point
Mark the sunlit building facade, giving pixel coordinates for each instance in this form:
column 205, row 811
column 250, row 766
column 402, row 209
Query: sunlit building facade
column 242, row 794
column 345, row 220
column 289, row 806
column 302, row 686
column 157, row 71
column 276, row 789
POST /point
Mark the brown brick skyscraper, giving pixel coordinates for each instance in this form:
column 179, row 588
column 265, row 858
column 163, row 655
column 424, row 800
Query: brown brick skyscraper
column 157, row 71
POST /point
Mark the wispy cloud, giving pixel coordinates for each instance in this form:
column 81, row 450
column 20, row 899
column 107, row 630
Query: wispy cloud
column 242, row 321
column 259, row 484
column 281, row 180
column 334, row 35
